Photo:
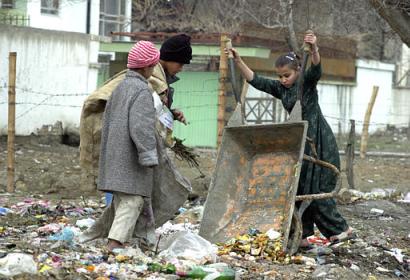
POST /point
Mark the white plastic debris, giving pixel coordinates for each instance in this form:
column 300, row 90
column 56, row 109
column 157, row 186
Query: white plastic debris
column 273, row 234
column 189, row 246
column 406, row 198
column 382, row 269
column 16, row 263
column 85, row 223
column 397, row 253
column 376, row 211
column 354, row 267
column 169, row 228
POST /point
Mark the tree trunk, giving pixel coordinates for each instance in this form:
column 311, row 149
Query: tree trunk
column 397, row 18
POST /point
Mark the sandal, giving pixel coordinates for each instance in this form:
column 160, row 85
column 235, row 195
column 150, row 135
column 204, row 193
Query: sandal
column 344, row 236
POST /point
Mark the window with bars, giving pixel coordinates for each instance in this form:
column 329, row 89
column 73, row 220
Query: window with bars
column 50, row 7
column 7, row 4
column 113, row 17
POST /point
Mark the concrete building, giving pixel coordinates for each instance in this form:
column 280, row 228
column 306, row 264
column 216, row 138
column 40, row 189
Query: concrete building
column 59, row 61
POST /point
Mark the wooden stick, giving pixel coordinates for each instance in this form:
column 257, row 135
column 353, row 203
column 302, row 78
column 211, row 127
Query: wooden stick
column 365, row 131
column 350, row 155
column 244, row 92
column 223, row 76
column 11, row 122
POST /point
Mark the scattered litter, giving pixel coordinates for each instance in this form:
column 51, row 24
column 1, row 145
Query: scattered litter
column 85, row 223
column 354, row 267
column 396, row 253
column 209, row 272
column 382, row 269
column 303, row 260
column 318, row 240
column 67, row 234
column 4, row 211
column 16, row 263
column 255, row 244
column 37, row 221
column 50, row 228
column 168, row 228
column 273, row 234
column 374, row 194
column 376, row 211
column 189, row 246
column 398, row 273
column 406, row 198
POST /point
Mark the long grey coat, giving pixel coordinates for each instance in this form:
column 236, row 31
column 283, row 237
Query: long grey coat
column 128, row 145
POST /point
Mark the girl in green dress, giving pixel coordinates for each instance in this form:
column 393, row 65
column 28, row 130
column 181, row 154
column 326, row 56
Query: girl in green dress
column 313, row 178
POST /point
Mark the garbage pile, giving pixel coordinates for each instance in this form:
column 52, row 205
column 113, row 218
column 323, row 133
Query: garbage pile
column 255, row 246
column 41, row 237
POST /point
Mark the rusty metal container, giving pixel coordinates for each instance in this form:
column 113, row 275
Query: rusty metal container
column 255, row 180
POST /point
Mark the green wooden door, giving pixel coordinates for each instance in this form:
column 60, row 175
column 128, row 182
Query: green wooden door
column 196, row 94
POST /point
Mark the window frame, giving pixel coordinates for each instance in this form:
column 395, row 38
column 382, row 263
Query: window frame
column 120, row 19
column 11, row 5
column 51, row 8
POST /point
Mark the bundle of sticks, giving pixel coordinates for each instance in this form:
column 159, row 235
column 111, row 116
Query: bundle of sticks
column 187, row 154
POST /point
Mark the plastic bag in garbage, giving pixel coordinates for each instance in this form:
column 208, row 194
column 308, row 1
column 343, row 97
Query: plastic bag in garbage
column 67, row 235
column 4, row 211
column 17, row 263
column 189, row 246
column 85, row 223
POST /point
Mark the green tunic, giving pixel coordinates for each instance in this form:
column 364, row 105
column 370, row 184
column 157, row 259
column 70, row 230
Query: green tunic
column 313, row 178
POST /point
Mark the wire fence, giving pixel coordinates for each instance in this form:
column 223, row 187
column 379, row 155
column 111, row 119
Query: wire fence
column 49, row 100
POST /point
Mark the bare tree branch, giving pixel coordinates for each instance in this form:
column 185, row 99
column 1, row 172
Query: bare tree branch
column 397, row 14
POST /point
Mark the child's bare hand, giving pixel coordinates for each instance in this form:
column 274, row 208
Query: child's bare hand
column 310, row 38
column 235, row 54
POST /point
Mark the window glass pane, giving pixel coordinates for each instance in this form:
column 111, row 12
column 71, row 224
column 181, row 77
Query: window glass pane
column 102, row 6
column 123, row 3
column 7, row 4
column 50, row 6
column 112, row 7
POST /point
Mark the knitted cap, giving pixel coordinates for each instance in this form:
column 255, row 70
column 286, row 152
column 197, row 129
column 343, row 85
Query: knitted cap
column 142, row 54
column 177, row 49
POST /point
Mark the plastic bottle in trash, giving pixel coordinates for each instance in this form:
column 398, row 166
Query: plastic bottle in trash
column 164, row 268
column 195, row 273
column 200, row 273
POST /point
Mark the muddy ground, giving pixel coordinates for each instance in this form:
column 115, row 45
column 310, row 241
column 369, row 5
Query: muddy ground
column 51, row 171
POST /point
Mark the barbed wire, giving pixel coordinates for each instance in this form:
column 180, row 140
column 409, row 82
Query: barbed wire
column 198, row 94
column 49, row 94
column 363, row 122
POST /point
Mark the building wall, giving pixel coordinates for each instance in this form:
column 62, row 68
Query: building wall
column 55, row 73
column 71, row 16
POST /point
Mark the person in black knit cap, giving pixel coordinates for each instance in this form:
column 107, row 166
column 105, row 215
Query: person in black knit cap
column 175, row 52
